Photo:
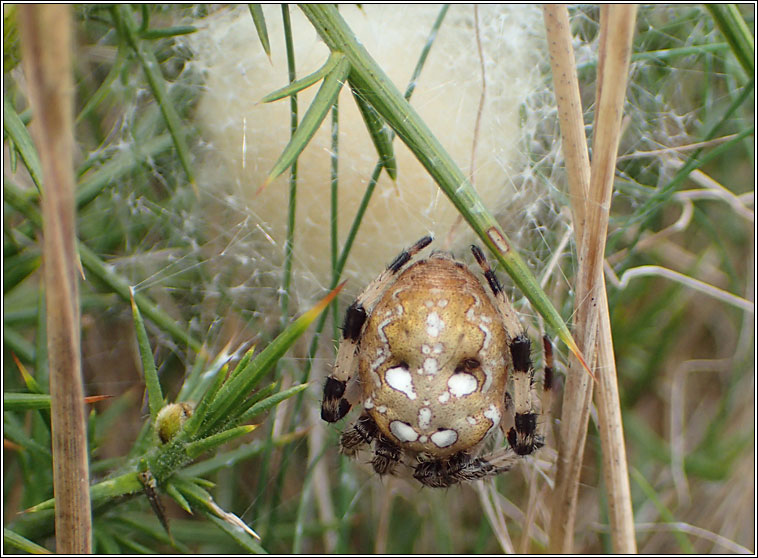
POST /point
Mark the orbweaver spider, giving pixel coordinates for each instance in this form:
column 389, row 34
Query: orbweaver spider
column 433, row 350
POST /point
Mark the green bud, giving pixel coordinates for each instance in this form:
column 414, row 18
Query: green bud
column 171, row 418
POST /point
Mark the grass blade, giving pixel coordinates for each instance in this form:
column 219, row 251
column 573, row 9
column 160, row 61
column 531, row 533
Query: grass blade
column 732, row 25
column 314, row 116
column 256, row 11
column 89, row 188
column 124, row 20
column 269, row 402
column 380, row 133
column 12, row 539
column 167, row 32
column 121, row 485
column 304, row 83
column 22, row 141
column 25, row 401
column 29, row 401
column 152, row 383
column 238, row 387
column 206, row 444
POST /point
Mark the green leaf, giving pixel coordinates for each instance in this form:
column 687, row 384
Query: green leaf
column 119, row 165
column 254, row 399
column 304, row 83
column 174, row 493
column 684, row 542
column 314, row 116
column 206, row 444
column 18, row 267
column 93, row 264
column 127, row 27
column 23, row 141
column 380, row 133
column 25, row 401
column 166, row 32
column 152, row 383
column 234, row 391
column 229, row 522
column 240, row 536
column 12, row 539
column 224, row 460
column 738, row 35
column 269, row 402
column 260, row 26
column 193, row 423
column 105, row 89
column 122, row 485
column 18, row 344
column 242, row 364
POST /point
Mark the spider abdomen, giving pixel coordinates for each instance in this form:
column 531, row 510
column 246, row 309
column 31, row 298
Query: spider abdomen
column 432, row 360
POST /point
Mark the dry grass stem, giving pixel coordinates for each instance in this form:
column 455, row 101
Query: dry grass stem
column 592, row 325
column 700, row 286
column 570, row 114
column 495, row 516
column 46, row 43
column 677, row 149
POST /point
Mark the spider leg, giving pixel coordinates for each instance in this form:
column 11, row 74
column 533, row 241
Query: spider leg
column 386, row 455
column 361, row 433
column 461, row 467
column 337, row 402
column 523, row 438
column 364, row 432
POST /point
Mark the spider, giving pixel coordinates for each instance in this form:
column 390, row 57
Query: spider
column 432, row 351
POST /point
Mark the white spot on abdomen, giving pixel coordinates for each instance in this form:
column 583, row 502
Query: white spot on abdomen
column 434, row 324
column 461, row 384
column 400, row 379
column 444, row 397
column 424, row 417
column 487, row 335
column 431, row 366
column 403, row 432
column 444, row 438
column 487, row 378
column 493, row 414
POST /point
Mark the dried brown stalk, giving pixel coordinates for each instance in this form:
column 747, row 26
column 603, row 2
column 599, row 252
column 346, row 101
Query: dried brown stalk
column 590, row 188
column 46, row 42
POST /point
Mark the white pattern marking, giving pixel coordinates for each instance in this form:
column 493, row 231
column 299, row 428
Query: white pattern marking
column 461, row 384
column 403, row 432
column 434, row 324
column 400, row 379
column 424, row 417
column 493, row 414
column 431, row 366
column 444, row 438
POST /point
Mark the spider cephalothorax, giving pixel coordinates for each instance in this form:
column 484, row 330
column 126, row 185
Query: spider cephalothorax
column 428, row 351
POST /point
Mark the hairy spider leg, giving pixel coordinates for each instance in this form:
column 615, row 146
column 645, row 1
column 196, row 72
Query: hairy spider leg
column 337, row 401
column 524, row 437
